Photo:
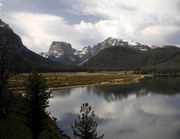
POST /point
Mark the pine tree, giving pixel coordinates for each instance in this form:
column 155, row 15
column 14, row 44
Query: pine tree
column 86, row 127
column 37, row 98
column 6, row 60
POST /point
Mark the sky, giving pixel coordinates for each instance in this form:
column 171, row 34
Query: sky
column 87, row 22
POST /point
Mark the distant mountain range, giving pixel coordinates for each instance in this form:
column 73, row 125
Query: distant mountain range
column 116, row 54
column 64, row 53
column 110, row 54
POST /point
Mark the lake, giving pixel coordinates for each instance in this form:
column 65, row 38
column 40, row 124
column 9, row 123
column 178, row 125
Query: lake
column 149, row 109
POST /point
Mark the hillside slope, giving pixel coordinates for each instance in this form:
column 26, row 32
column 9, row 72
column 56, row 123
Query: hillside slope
column 121, row 58
column 21, row 57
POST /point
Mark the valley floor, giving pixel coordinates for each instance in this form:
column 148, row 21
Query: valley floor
column 73, row 79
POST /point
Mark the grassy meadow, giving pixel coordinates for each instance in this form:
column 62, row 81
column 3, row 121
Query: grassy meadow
column 69, row 79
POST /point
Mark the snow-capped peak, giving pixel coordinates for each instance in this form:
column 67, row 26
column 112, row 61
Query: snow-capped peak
column 63, row 49
column 132, row 43
column 85, row 50
column 111, row 42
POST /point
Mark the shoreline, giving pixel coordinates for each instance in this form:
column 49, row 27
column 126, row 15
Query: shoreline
column 98, row 84
column 72, row 80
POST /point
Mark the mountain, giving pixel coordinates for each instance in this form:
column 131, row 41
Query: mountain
column 125, row 58
column 115, row 58
column 110, row 54
column 23, row 58
column 64, row 53
column 116, row 54
column 113, row 42
column 61, row 52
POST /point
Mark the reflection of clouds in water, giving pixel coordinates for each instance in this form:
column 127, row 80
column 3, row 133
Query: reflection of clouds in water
column 159, row 105
column 68, row 119
column 144, row 117
column 140, row 116
column 71, row 103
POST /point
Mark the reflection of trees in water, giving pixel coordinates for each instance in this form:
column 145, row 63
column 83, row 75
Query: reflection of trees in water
column 162, row 85
column 113, row 92
column 159, row 85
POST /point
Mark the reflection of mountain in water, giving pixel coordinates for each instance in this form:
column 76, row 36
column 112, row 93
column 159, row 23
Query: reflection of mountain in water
column 158, row 85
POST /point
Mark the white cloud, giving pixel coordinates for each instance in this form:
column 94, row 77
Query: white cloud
column 40, row 29
column 148, row 22
column 134, row 19
column 119, row 8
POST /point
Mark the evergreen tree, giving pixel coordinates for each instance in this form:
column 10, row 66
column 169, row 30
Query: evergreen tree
column 86, row 127
column 37, row 98
column 6, row 60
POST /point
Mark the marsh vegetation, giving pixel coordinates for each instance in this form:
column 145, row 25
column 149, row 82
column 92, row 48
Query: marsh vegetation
column 64, row 79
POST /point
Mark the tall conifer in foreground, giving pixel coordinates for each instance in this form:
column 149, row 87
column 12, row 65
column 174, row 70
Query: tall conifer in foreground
column 37, row 98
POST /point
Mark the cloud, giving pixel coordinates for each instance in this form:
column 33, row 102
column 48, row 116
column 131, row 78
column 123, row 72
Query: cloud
column 132, row 19
column 119, row 8
column 1, row 5
column 34, row 29
column 88, row 22
column 38, row 30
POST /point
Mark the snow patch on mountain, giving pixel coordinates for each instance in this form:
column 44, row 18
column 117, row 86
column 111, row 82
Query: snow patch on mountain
column 64, row 50
column 84, row 51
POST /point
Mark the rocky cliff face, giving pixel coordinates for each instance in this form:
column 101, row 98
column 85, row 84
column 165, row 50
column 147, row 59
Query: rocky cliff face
column 64, row 53
column 58, row 49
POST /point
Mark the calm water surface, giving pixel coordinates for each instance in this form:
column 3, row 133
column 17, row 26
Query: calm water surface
column 146, row 110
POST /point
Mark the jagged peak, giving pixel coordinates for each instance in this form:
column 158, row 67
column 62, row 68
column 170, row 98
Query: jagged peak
column 113, row 38
column 116, row 40
column 59, row 43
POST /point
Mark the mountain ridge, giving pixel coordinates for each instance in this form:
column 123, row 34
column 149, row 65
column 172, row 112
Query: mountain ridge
column 110, row 54
column 120, row 58
column 23, row 58
column 82, row 55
